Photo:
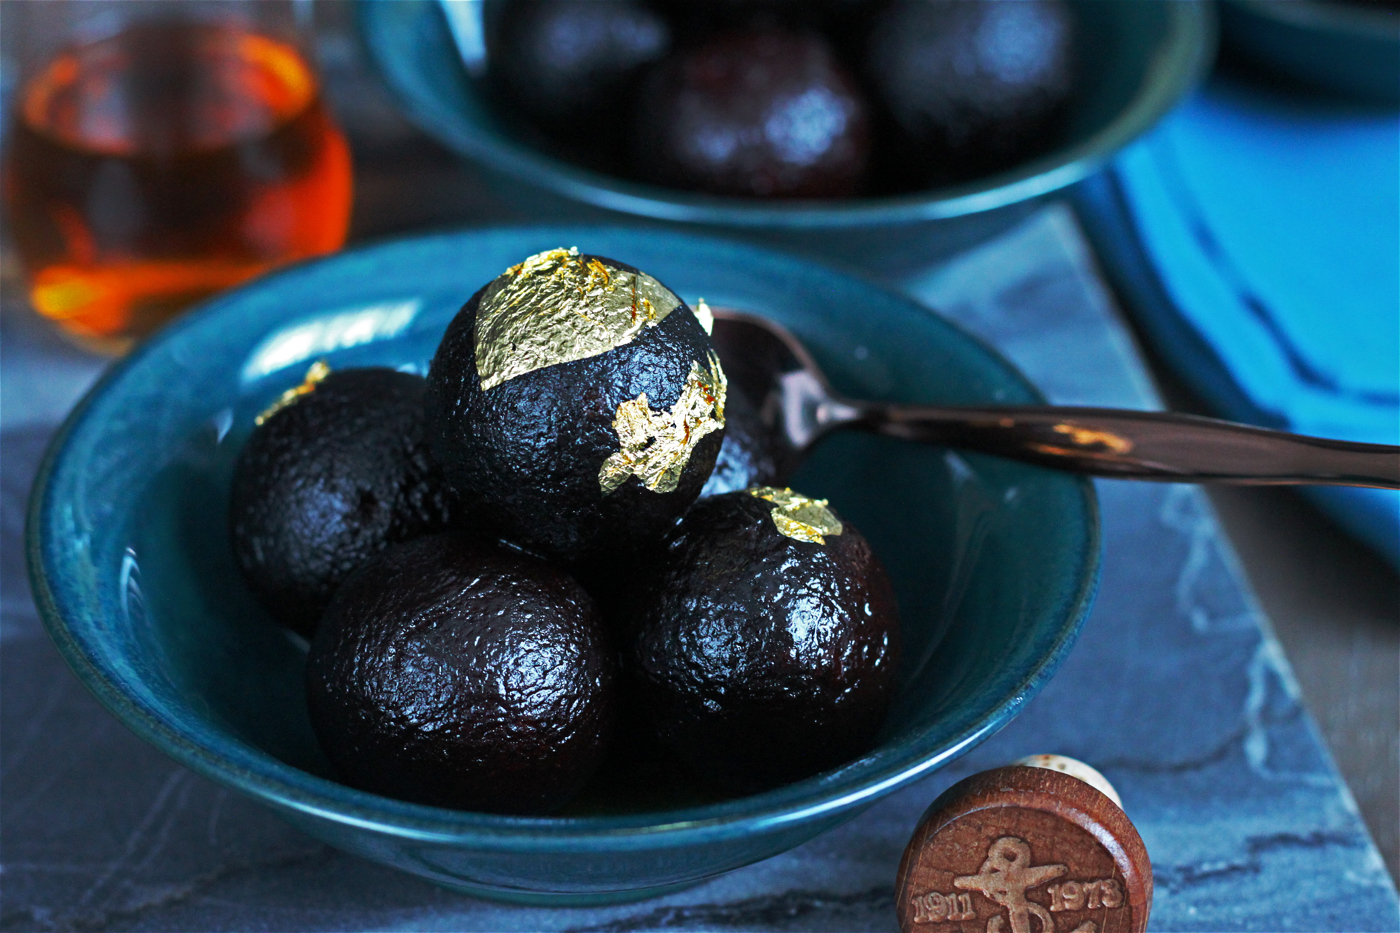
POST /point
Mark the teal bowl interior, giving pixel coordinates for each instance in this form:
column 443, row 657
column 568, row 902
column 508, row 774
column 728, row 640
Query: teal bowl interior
column 994, row 563
column 1138, row 60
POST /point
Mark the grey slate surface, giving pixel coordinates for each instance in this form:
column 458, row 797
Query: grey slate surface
column 1175, row 690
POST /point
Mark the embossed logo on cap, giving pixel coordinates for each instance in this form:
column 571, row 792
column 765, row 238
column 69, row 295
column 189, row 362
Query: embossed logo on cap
column 1004, row 878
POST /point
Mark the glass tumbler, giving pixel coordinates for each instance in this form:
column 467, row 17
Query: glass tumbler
column 159, row 152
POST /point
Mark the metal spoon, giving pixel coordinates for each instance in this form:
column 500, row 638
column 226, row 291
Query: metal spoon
column 772, row 368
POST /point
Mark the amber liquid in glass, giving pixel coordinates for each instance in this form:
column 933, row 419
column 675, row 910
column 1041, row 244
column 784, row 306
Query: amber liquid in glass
column 151, row 169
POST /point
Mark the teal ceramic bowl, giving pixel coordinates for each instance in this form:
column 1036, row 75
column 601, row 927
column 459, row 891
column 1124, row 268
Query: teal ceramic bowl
column 1139, row 60
column 994, row 563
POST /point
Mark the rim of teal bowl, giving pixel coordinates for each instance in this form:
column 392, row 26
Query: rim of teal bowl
column 260, row 775
column 1183, row 62
column 1348, row 19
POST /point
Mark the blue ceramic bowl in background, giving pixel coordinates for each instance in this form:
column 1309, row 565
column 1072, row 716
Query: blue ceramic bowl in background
column 1348, row 48
column 1138, row 60
column 994, row 563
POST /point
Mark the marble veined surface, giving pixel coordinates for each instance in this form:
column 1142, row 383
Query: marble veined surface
column 1176, row 691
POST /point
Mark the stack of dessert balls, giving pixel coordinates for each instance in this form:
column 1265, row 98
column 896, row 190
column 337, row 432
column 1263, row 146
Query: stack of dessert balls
column 531, row 557
column 785, row 99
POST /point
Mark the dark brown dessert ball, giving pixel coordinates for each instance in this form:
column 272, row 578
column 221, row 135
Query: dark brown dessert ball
column 567, row 64
column 579, row 405
column 462, row 675
column 752, row 453
column 756, row 450
column 755, row 114
column 768, row 648
column 339, row 470
column 974, row 86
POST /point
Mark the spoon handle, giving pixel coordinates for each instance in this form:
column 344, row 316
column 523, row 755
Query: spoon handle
column 1147, row 445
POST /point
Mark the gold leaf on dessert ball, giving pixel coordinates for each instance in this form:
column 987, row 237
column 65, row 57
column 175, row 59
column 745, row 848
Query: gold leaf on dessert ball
column 705, row 316
column 655, row 446
column 797, row 516
column 557, row 307
column 318, row 371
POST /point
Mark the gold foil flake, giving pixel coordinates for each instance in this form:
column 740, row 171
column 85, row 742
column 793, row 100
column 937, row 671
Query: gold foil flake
column 705, row 316
column 557, row 307
column 542, row 261
column 797, row 516
column 318, row 371
column 656, row 446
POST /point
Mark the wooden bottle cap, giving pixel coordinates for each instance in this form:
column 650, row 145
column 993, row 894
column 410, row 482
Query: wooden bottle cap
column 1025, row 850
